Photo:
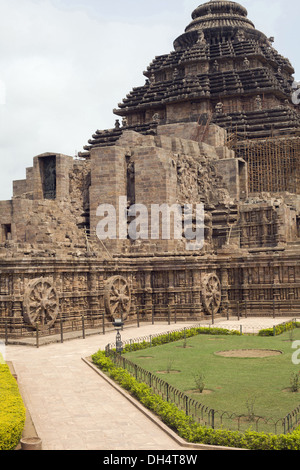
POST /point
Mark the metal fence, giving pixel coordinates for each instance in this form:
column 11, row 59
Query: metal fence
column 69, row 327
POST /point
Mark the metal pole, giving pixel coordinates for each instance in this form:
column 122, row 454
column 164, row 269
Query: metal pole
column 6, row 333
column 138, row 317
column 213, row 419
column 61, row 331
column 83, row 327
column 103, row 324
column 186, row 405
column 169, row 315
column 37, row 334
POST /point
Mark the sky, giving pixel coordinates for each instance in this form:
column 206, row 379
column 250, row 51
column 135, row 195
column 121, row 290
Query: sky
column 66, row 64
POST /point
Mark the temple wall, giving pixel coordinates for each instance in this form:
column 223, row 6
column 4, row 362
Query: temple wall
column 250, row 286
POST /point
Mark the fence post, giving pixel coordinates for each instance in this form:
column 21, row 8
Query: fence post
column 6, row 333
column 186, row 405
column 103, row 324
column 169, row 315
column 138, row 316
column 213, row 419
column 61, row 331
column 37, row 334
column 152, row 314
column 83, row 327
column 284, row 425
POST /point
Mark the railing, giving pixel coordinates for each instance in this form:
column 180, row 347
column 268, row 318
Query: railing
column 64, row 328
column 13, row 329
column 199, row 412
column 273, row 307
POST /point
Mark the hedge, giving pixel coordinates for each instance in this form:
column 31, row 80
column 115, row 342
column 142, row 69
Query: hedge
column 279, row 329
column 178, row 335
column 12, row 410
column 184, row 425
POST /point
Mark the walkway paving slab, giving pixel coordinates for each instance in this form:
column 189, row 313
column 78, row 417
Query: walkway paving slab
column 73, row 408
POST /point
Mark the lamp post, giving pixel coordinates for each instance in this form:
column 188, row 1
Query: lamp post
column 118, row 324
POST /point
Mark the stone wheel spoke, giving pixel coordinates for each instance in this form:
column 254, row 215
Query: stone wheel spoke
column 211, row 294
column 41, row 303
column 117, row 297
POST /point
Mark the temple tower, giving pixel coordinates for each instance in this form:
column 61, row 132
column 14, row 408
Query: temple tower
column 224, row 71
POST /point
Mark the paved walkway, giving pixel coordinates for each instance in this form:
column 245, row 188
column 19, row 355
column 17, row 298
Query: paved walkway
column 73, row 408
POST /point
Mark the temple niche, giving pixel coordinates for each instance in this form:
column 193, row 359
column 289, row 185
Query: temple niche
column 48, row 171
column 214, row 124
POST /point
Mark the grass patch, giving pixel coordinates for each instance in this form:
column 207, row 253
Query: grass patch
column 234, row 382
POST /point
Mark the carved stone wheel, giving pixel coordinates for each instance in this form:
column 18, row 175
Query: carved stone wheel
column 211, row 294
column 41, row 303
column 117, row 298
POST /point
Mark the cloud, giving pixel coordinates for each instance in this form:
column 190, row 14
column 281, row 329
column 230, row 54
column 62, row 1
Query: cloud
column 64, row 72
column 2, row 92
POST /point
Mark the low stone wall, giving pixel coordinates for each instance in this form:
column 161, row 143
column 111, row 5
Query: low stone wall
column 192, row 287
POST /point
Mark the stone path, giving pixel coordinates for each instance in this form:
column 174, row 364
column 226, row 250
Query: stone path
column 73, row 408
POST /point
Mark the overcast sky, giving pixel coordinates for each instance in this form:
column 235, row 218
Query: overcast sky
column 65, row 64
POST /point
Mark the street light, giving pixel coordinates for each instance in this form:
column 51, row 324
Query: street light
column 118, row 324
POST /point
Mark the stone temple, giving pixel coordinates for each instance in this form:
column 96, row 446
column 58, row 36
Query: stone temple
column 215, row 124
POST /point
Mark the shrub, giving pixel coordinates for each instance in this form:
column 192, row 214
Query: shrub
column 279, row 329
column 295, row 382
column 177, row 336
column 12, row 410
column 199, row 382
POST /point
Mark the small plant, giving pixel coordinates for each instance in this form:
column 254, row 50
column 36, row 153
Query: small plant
column 250, row 408
column 291, row 333
column 199, row 382
column 295, row 377
column 169, row 365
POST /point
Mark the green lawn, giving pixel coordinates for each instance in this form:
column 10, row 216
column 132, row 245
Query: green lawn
column 263, row 382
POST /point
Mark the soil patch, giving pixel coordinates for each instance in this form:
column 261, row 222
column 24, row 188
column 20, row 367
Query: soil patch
column 196, row 392
column 168, row 371
column 289, row 390
column 252, row 353
column 145, row 357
